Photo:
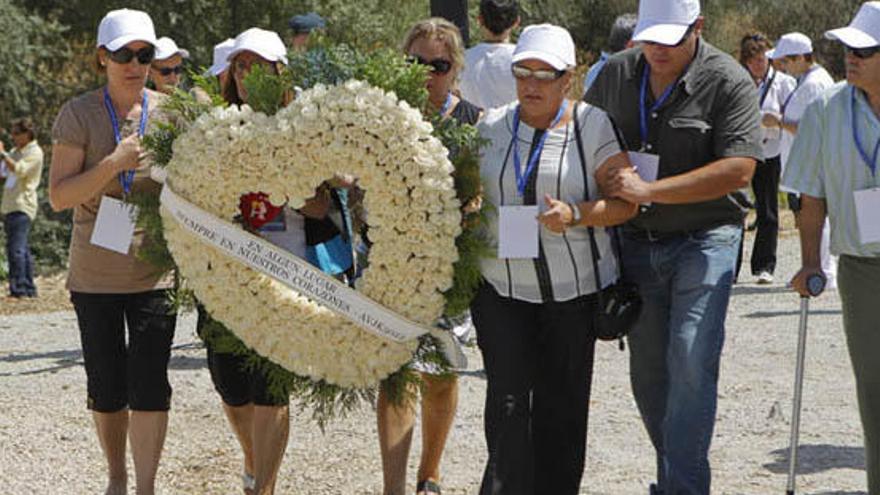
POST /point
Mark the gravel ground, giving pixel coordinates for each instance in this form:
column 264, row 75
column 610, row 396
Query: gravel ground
column 49, row 446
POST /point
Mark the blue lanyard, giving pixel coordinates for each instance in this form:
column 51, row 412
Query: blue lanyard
column 126, row 179
column 446, row 104
column 643, row 102
column 800, row 82
column 522, row 180
column 870, row 161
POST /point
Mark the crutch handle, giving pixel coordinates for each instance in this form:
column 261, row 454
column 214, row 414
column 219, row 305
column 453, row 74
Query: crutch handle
column 816, row 284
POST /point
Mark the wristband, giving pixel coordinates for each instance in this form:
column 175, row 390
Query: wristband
column 575, row 214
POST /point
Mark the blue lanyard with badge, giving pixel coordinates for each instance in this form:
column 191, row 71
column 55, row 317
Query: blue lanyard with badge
column 518, row 226
column 867, row 201
column 647, row 164
column 800, row 83
column 115, row 221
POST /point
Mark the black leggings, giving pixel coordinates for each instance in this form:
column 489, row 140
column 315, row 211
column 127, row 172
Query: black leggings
column 120, row 376
column 539, row 365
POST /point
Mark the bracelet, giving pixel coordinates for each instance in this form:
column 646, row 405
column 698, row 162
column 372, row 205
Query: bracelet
column 575, row 215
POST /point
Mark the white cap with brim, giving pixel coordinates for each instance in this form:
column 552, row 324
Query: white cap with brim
column 120, row 27
column 221, row 55
column 547, row 43
column 791, row 44
column 167, row 48
column 863, row 31
column 665, row 21
column 266, row 44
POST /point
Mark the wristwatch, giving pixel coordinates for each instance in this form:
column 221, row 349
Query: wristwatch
column 575, row 214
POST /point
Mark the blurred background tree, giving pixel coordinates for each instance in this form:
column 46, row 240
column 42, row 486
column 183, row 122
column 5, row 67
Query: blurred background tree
column 49, row 48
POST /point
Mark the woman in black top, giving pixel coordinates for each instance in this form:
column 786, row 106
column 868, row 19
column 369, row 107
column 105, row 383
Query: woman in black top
column 436, row 43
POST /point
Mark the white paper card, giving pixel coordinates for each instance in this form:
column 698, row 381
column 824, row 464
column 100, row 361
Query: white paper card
column 868, row 215
column 11, row 180
column 647, row 165
column 114, row 226
column 518, row 232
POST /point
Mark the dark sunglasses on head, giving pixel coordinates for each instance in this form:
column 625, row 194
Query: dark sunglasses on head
column 687, row 34
column 438, row 66
column 521, row 72
column 124, row 55
column 863, row 52
column 167, row 71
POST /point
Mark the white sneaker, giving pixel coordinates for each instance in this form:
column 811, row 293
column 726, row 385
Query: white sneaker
column 765, row 278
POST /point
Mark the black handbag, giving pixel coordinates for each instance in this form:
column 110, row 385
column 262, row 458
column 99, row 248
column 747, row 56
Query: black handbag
column 619, row 304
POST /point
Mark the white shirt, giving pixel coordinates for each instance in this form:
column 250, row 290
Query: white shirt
column 560, row 175
column 774, row 89
column 809, row 87
column 486, row 80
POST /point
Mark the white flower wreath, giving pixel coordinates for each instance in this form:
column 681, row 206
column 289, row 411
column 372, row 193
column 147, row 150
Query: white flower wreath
column 349, row 129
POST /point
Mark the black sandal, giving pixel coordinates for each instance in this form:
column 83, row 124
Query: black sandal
column 429, row 487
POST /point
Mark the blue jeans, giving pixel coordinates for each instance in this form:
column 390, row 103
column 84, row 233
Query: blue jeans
column 21, row 263
column 675, row 348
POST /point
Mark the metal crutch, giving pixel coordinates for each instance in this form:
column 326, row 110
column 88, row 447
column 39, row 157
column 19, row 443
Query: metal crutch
column 815, row 286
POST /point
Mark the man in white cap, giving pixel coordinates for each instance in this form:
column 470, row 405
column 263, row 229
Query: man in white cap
column 834, row 163
column 794, row 55
column 168, row 65
column 689, row 115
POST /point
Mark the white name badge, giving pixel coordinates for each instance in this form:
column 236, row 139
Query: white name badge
column 647, row 165
column 11, row 180
column 868, row 215
column 518, row 229
column 114, row 226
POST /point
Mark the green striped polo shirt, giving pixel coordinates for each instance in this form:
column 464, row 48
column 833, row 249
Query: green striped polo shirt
column 825, row 163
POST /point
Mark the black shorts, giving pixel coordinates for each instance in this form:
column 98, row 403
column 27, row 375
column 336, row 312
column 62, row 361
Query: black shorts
column 237, row 384
column 120, row 375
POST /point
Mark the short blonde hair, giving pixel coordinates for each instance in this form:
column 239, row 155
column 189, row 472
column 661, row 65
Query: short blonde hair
column 442, row 30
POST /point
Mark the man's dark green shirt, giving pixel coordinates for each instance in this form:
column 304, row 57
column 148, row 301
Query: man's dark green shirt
column 711, row 114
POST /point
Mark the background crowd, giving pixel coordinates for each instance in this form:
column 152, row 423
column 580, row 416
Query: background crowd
column 678, row 105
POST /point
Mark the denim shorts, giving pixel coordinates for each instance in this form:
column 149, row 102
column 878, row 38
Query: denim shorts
column 120, row 375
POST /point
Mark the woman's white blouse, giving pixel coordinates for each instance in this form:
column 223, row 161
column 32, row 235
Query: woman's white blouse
column 566, row 256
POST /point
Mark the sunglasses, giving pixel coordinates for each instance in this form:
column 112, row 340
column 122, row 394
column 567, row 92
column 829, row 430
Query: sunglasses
column 521, row 72
column 438, row 66
column 167, row 71
column 687, row 34
column 124, row 55
column 863, row 52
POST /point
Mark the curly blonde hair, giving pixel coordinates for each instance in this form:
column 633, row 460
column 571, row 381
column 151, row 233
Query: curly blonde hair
column 442, row 30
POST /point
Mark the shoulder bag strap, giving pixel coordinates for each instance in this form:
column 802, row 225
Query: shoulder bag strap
column 594, row 246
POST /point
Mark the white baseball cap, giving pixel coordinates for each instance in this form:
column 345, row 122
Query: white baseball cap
column 221, row 54
column 863, row 31
column 791, row 44
column 547, row 43
column 266, row 44
column 120, row 27
column 167, row 48
column 665, row 21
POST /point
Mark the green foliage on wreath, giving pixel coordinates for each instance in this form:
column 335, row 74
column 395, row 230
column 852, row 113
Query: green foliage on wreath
column 268, row 92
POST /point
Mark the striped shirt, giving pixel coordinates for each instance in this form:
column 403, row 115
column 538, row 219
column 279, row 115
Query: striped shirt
column 563, row 270
column 825, row 162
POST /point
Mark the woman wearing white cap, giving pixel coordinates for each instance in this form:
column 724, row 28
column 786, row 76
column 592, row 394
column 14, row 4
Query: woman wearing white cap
column 437, row 44
column 259, row 418
column 535, row 309
column 94, row 162
column 167, row 67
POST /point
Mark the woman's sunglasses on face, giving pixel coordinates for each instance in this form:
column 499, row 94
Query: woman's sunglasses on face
column 167, row 71
column 863, row 52
column 124, row 55
column 438, row 66
column 521, row 72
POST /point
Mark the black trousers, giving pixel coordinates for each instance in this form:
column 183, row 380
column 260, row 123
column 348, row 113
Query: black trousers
column 133, row 375
column 765, row 184
column 539, row 365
